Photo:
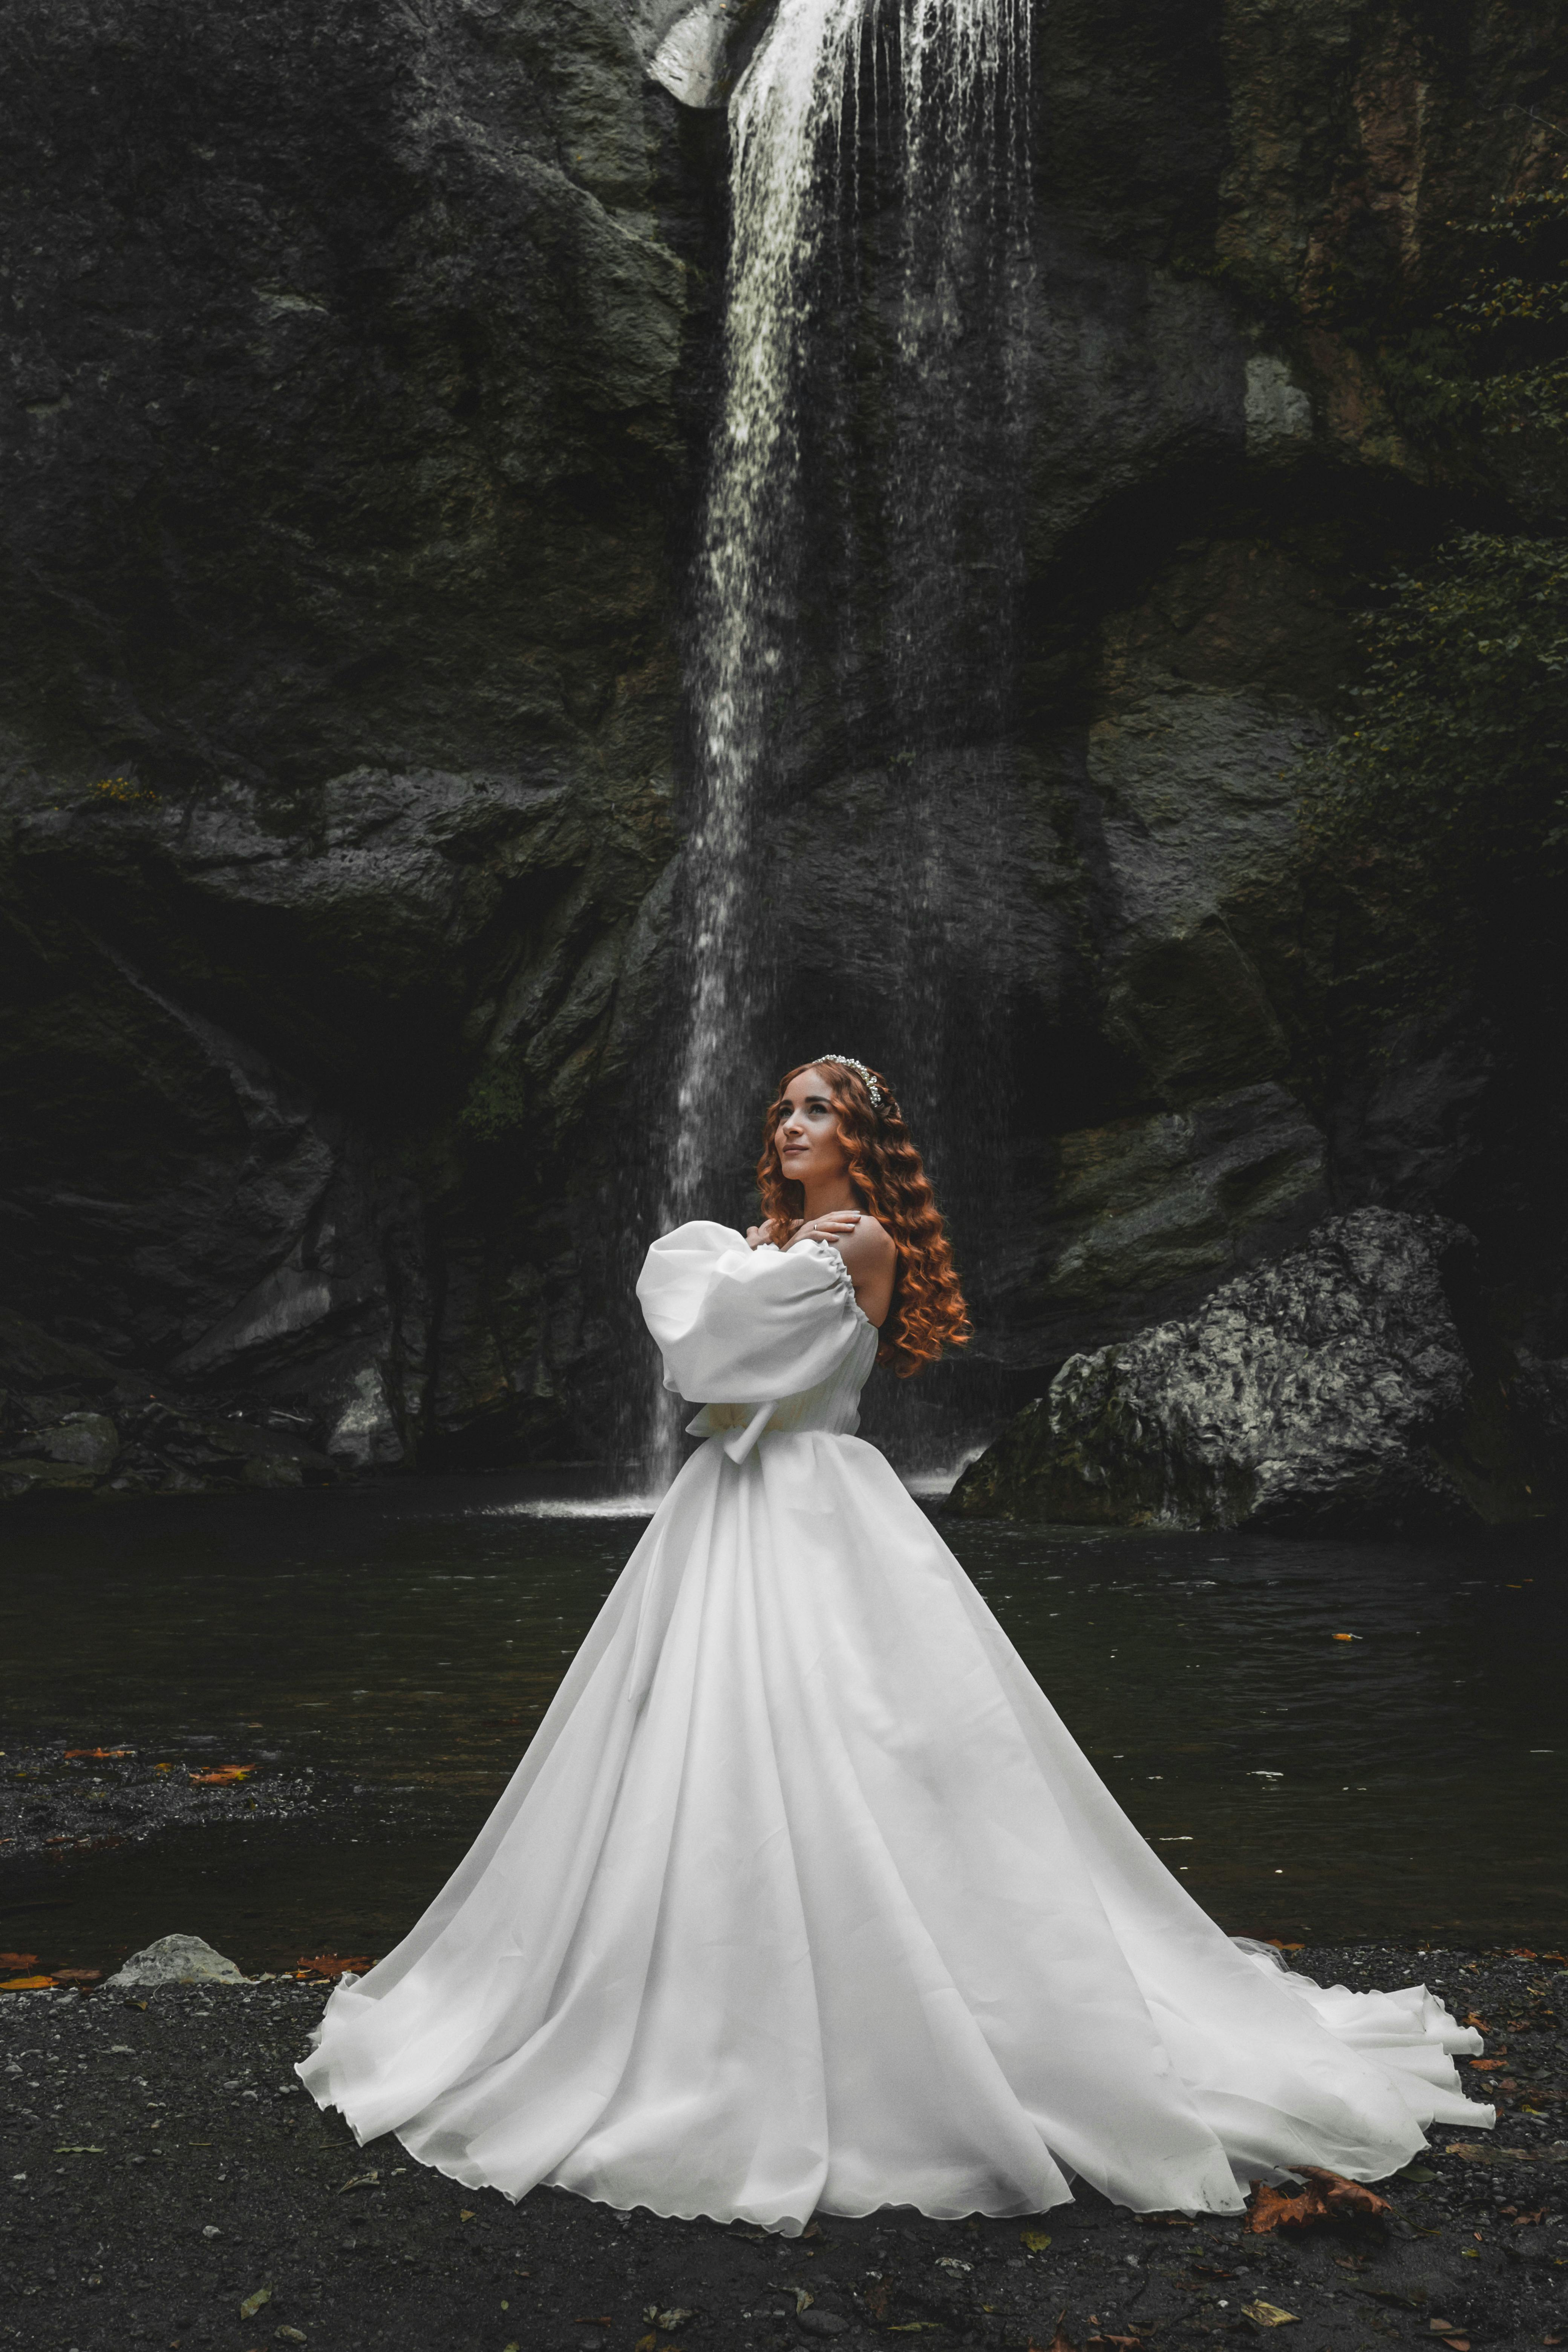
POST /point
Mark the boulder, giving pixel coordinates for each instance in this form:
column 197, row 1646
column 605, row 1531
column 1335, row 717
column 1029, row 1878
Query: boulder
column 173, row 1960
column 1331, row 1388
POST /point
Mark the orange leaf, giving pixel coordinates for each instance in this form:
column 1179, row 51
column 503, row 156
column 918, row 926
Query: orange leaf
column 222, row 1775
column 98, row 1754
column 1327, row 2196
column 332, row 1964
column 25, row 1984
column 17, row 1960
column 1488, row 2065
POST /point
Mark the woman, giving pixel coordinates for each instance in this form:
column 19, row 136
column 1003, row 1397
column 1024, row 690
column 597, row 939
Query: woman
column 802, row 1898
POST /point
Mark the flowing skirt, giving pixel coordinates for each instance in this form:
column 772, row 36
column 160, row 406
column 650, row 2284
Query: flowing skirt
column 802, row 1898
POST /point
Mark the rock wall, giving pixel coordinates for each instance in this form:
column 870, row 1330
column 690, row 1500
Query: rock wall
column 360, row 367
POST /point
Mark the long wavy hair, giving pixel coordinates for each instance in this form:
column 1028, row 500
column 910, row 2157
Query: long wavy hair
column 928, row 1313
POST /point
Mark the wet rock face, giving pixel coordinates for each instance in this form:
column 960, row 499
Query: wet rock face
column 343, row 436
column 1331, row 1388
column 361, row 372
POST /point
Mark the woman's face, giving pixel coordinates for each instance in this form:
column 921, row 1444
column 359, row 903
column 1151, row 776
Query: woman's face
column 810, row 1149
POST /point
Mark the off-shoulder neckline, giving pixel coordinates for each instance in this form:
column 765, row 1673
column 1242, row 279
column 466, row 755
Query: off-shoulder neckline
column 816, row 1241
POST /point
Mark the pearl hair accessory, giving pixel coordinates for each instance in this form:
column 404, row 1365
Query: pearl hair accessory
column 847, row 1062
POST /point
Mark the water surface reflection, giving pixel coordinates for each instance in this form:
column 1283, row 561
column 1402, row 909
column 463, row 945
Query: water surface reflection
column 1326, row 1739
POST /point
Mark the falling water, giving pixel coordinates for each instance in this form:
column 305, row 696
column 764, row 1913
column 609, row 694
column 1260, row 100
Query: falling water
column 790, row 98
column 950, row 163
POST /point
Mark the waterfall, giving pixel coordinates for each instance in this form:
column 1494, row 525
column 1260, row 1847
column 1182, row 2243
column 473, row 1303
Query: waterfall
column 914, row 112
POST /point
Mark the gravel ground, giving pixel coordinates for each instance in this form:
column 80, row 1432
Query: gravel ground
column 54, row 1802
column 167, row 2182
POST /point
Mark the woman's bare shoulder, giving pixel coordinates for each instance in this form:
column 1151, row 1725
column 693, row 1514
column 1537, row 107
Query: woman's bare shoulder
column 869, row 1247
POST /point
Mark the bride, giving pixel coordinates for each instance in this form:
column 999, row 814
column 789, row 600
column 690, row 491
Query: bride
column 803, row 1899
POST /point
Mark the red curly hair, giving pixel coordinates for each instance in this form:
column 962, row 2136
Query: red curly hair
column 928, row 1313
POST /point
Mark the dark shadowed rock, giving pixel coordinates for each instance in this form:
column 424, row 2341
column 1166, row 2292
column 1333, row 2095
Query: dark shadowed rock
column 71, row 1422
column 1330, row 1387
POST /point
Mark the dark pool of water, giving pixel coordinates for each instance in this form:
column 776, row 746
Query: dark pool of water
column 1408, row 1783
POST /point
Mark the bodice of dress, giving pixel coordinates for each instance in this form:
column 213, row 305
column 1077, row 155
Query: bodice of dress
column 764, row 1340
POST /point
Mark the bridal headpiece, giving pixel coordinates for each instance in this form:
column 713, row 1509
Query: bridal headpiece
column 847, row 1062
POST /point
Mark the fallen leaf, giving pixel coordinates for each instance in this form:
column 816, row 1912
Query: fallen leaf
column 1338, row 1637
column 360, row 2180
column 222, row 1775
column 468, row 2215
column 1035, row 2240
column 1118, row 2342
column 81, row 2151
column 77, row 1976
column 99, row 1754
column 25, row 1984
column 1269, row 2314
column 1061, row 2340
column 290, row 2334
column 1326, row 2197
column 1489, row 2065
column 17, row 1960
column 646, row 2344
column 332, row 1964
column 253, row 2303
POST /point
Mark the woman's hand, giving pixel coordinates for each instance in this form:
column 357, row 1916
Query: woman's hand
column 834, row 1226
column 760, row 1236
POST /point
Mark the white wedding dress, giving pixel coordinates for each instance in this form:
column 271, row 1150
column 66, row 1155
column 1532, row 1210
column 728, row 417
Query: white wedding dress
column 803, row 1899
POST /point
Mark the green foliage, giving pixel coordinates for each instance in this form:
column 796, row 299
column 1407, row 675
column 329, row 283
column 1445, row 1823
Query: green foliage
column 497, row 1103
column 1513, row 315
column 1440, row 817
column 1483, row 346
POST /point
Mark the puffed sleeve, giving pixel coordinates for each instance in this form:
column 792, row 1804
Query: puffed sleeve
column 739, row 1326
